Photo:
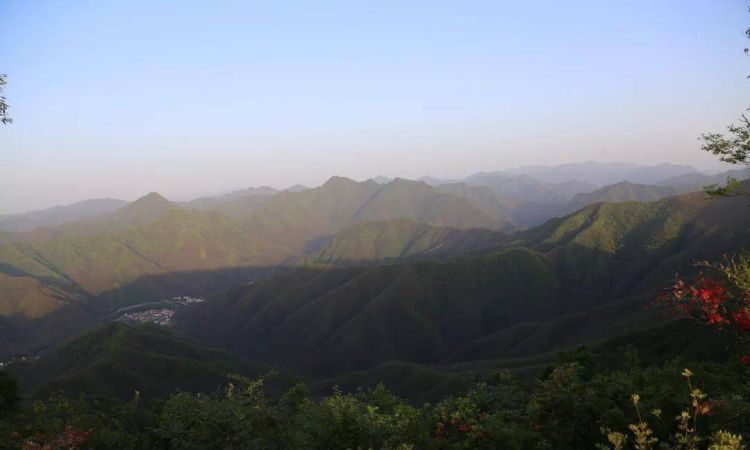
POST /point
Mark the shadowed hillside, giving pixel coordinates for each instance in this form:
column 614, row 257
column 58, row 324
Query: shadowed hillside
column 323, row 320
column 328, row 321
column 116, row 360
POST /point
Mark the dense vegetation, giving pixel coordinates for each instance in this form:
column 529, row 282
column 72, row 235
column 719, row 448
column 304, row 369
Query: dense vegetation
column 566, row 407
column 528, row 298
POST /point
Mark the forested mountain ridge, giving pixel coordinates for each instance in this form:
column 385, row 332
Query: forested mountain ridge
column 619, row 192
column 117, row 359
column 606, row 254
column 601, row 253
column 153, row 237
column 402, row 239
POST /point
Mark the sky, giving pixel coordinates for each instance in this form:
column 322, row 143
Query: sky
column 120, row 98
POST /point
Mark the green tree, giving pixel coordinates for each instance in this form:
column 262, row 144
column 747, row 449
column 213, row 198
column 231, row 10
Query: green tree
column 563, row 407
column 9, row 396
column 4, row 117
column 732, row 148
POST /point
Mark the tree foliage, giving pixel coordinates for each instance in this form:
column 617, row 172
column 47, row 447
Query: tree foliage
column 9, row 396
column 563, row 409
column 732, row 148
column 4, row 116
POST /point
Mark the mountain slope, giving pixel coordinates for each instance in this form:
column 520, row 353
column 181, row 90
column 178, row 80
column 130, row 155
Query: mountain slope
column 60, row 214
column 633, row 245
column 620, row 192
column 319, row 321
column 402, row 239
column 28, row 297
column 139, row 263
column 293, row 220
column 336, row 320
column 420, row 202
column 116, row 360
column 500, row 208
column 694, row 181
column 145, row 210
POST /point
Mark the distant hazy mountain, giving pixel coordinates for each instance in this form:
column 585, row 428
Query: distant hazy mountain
column 551, row 185
column 433, row 181
column 620, row 192
column 59, row 214
column 209, row 202
column 542, row 192
column 147, row 209
column 292, row 219
column 241, row 202
column 236, row 203
column 524, row 188
column 519, row 188
column 695, row 181
column 604, row 173
column 380, row 179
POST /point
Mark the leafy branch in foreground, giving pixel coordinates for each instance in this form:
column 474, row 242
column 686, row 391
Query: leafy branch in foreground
column 732, row 149
column 4, row 116
column 732, row 187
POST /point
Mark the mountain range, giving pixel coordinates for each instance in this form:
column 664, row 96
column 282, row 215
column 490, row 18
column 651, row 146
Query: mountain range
column 357, row 280
column 152, row 237
column 533, row 193
column 602, row 261
column 602, row 174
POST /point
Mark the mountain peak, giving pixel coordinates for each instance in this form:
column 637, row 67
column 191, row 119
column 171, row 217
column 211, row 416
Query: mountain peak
column 296, row 188
column 336, row 181
column 152, row 198
column 147, row 208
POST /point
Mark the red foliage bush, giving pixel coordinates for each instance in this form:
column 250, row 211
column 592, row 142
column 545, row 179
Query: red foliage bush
column 715, row 303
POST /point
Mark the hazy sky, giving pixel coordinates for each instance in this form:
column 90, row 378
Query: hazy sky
column 118, row 98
